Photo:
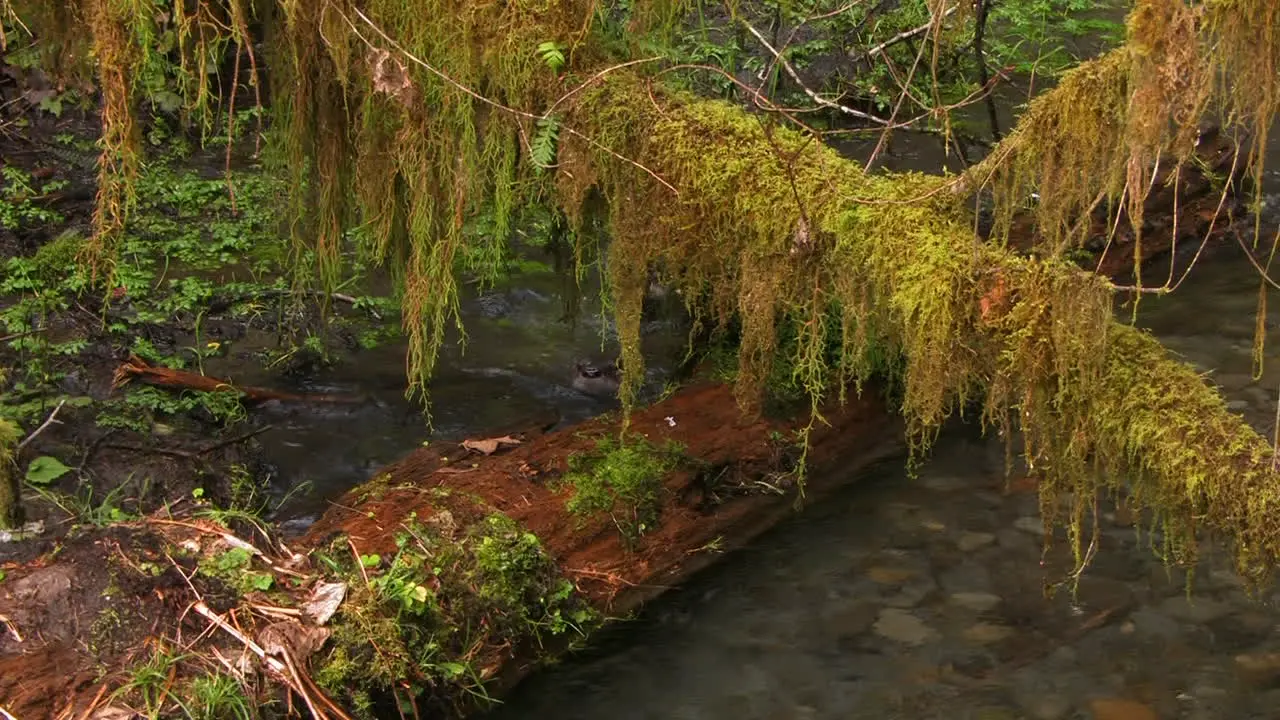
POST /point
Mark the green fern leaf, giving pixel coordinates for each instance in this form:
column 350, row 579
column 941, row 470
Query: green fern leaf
column 545, row 142
column 552, row 53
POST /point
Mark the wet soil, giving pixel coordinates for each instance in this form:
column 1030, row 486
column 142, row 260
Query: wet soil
column 77, row 618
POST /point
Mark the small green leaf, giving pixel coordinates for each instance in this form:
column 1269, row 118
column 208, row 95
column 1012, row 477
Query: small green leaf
column 370, row 561
column 453, row 669
column 420, row 593
column 44, row 470
column 261, row 581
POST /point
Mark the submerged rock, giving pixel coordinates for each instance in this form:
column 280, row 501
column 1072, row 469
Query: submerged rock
column 598, row 380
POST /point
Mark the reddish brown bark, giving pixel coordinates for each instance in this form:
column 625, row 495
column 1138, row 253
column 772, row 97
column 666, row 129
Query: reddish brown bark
column 1181, row 211
column 135, row 368
column 739, row 452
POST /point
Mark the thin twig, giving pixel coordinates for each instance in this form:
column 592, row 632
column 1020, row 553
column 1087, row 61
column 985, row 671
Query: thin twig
column 904, row 35
column 42, row 427
column 93, row 705
column 12, row 628
column 235, row 440
column 791, row 71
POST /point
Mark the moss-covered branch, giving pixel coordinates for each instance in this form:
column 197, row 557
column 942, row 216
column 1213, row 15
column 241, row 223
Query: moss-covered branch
column 409, row 118
column 770, row 225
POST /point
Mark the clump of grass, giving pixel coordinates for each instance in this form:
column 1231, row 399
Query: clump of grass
column 147, row 685
column 623, row 481
column 218, row 696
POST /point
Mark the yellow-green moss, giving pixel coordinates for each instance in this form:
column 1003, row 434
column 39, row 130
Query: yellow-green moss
column 8, row 478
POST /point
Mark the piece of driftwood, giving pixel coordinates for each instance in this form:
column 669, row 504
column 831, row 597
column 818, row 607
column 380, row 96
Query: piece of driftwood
column 135, row 368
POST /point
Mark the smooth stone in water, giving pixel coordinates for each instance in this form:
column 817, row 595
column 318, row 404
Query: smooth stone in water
column 1147, row 621
column 1117, row 709
column 889, row 576
column 975, row 601
column 1046, row 707
column 1030, row 524
column 911, row 595
column 970, row 541
column 1259, row 668
column 968, row 576
column 987, row 633
column 851, row 620
column 944, row 483
column 901, row 626
column 1197, row 610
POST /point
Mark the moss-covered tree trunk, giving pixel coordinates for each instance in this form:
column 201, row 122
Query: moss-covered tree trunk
column 10, row 510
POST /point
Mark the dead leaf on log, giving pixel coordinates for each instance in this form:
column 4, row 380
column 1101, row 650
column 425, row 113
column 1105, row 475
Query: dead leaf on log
column 324, row 601
column 489, row 446
column 292, row 640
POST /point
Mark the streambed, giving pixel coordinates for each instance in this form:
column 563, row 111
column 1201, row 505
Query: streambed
column 923, row 597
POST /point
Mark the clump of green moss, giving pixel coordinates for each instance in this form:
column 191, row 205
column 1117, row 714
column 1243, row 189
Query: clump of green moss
column 235, row 568
column 622, row 480
column 435, row 621
column 9, row 509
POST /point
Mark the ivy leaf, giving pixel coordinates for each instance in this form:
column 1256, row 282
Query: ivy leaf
column 44, row 470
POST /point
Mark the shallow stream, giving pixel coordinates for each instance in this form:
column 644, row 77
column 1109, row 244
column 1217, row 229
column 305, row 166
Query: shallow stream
column 902, row 597
column 923, row 597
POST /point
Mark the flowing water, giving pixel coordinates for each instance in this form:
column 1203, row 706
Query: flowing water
column 904, row 597
column 515, row 371
column 925, row 597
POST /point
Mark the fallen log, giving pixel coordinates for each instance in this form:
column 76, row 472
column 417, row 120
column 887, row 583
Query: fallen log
column 135, row 368
column 465, row 566
column 1185, row 206
column 736, row 483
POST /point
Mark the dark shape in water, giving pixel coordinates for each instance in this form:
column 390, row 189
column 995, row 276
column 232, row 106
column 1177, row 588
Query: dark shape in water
column 598, row 380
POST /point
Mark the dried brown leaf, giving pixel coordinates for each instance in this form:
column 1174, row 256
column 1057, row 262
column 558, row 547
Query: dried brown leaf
column 489, row 446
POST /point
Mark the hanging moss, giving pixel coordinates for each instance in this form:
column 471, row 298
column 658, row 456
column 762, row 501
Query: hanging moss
column 408, row 118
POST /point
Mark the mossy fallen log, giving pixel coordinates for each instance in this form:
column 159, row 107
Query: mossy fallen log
column 462, row 571
column 699, row 477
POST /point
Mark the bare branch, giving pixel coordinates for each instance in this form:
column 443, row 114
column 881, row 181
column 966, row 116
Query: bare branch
column 791, row 71
column 904, row 35
column 49, row 421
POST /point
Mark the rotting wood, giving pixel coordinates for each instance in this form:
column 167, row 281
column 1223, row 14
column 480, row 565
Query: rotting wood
column 694, row 530
column 1185, row 207
column 138, row 369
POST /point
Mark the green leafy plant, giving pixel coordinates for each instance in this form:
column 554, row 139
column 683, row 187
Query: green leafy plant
column 44, row 470
column 85, row 508
column 545, row 141
column 234, row 567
